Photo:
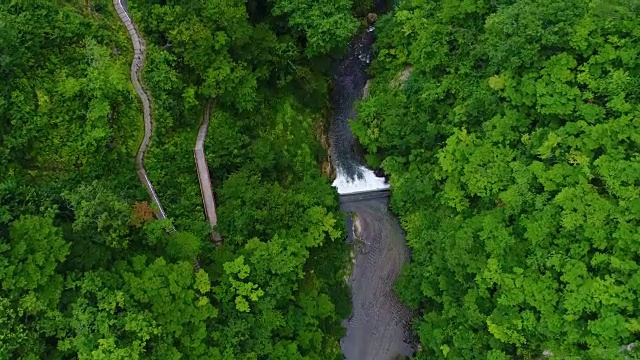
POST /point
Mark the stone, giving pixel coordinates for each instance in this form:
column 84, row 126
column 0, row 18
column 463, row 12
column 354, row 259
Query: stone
column 371, row 18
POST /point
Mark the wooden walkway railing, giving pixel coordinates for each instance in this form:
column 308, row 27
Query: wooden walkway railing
column 139, row 49
column 139, row 54
column 203, row 176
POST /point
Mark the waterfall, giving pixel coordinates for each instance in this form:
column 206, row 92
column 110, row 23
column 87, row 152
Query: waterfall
column 368, row 182
column 350, row 77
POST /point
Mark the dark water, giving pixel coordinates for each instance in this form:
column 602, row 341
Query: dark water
column 349, row 79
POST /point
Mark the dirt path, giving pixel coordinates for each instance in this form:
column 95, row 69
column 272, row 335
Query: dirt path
column 378, row 328
column 139, row 50
column 204, row 177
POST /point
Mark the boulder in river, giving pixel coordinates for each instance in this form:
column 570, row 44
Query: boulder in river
column 371, row 18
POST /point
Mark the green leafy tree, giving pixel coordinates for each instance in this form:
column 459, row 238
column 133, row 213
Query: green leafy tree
column 325, row 24
column 508, row 130
column 123, row 285
column 142, row 310
column 30, row 287
column 100, row 215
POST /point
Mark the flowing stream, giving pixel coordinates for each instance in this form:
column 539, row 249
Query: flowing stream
column 379, row 325
column 349, row 79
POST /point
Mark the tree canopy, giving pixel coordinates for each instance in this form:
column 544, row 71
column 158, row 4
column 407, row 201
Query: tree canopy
column 85, row 270
column 509, row 130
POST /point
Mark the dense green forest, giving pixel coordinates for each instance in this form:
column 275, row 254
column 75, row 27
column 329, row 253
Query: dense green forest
column 85, row 271
column 510, row 130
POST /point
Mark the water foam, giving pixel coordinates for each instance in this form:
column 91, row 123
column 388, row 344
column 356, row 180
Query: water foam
column 368, row 182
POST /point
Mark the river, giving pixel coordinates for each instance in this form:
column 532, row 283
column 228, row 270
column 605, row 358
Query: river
column 379, row 325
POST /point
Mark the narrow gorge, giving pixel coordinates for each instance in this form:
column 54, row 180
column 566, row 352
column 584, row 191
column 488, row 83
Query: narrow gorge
column 379, row 325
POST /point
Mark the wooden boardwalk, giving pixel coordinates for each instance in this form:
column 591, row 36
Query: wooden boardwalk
column 139, row 54
column 139, row 49
column 203, row 176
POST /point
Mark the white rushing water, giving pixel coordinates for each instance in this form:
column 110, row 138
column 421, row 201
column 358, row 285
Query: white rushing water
column 369, row 182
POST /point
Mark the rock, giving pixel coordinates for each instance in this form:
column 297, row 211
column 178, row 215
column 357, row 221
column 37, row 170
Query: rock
column 357, row 227
column 365, row 91
column 380, row 173
column 328, row 170
column 402, row 77
column 371, row 18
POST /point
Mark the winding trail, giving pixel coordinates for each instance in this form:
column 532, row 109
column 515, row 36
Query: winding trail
column 204, row 177
column 139, row 49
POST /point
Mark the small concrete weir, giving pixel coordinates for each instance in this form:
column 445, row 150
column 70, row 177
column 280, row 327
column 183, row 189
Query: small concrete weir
column 356, row 197
column 379, row 325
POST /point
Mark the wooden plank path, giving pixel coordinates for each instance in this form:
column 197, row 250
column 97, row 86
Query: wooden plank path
column 204, row 177
column 139, row 54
